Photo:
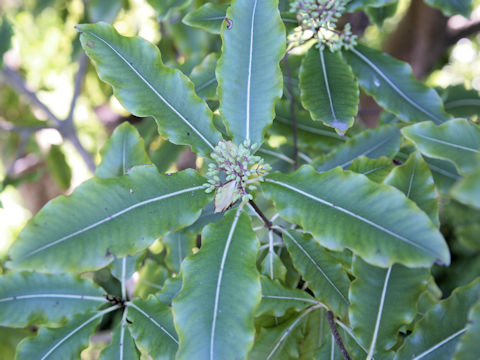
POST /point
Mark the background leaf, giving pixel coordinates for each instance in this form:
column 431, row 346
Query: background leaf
column 382, row 141
column 6, row 33
column 382, row 301
column 457, row 140
column 415, row 180
column 122, row 345
column 467, row 190
column 438, row 333
column 469, row 347
column 108, row 216
column 179, row 245
column 324, row 275
column 329, row 90
column 248, row 72
column 208, row 17
column 453, row 7
column 203, row 77
column 123, row 150
column 210, row 320
column 146, row 87
column 393, row 86
column 32, row 298
column 62, row 343
column 277, row 299
column 343, row 209
column 152, row 327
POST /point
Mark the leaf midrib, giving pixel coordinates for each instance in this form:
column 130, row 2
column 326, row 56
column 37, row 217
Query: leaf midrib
column 317, row 266
column 440, row 344
column 327, row 86
column 219, row 279
column 155, row 91
column 366, row 152
column 249, row 75
column 107, row 219
column 149, row 317
column 447, row 143
column 71, row 333
column 395, row 87
column 53, row 296
column 359, row 217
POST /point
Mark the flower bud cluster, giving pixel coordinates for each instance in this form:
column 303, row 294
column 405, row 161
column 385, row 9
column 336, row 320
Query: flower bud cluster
column 235, row 164
column 321, row 17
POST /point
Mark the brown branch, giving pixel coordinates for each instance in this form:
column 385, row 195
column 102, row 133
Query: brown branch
column 65, row 127
column 292, row 111
column 16, row 82
column 268, row 223
column 469, row 28
column 336, row 335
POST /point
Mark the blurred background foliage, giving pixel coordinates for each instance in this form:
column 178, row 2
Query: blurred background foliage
column 49, row 144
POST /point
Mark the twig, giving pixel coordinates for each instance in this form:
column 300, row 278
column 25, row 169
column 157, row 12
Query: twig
column 336, row 335
column 65, row 127
column 292, row 111
column 268, row 223
column 77, row 87
column 16, row 81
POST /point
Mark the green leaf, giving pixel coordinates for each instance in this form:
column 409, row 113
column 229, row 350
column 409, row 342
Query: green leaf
column 324, row 275
column 328, row 89
column 393, row 86
column 382, row 301
column 146, row 87
column 453, row 7
column 375, row 169
column 278, row 299
column 444, row 173
column 123, row 150
column 467, row 190
column 170, row 290
column 355, row 5
column 58, row 167
column 456, row 140
column 309, row 132
column 6, row 33
column 101, row 10
column 469, row 347
column 415, row 180
column 122, row 345
column 123, row 268
column 62, row 343
column 208, row 17
column 281, row 342
column 108, row 216
column 210, row 319
column 248, row 72
column 203, row 77
column 382, row 141
column 151, row 278
column 179, row 245
column 10, row 339
column 152, row 327
column 346, row 210
column 163, row 7
column 32, row 298
column 436, row 336
column 380, row 14
column 461, row 102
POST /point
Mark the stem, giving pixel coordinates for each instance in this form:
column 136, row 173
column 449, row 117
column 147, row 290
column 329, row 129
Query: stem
column 292, row 111
column 336, row 335
column 268, row 223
